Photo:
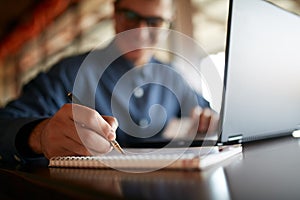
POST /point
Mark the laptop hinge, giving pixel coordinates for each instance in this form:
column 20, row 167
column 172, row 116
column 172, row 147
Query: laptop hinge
column 235, row 139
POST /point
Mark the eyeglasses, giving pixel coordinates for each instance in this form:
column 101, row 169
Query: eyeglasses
column 134, row 18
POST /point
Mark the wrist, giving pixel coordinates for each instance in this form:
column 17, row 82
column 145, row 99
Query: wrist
column 34, row 140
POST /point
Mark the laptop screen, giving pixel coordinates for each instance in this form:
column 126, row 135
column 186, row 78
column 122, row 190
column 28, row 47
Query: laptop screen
column 262, row 74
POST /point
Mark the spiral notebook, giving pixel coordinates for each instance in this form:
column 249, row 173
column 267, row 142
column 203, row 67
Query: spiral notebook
column 193, row 158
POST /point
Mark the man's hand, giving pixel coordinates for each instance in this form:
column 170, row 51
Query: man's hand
column 74, row 130
column 201, row 122
column 207, row 120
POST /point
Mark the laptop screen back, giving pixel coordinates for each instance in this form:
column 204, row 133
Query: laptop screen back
column 262, row 76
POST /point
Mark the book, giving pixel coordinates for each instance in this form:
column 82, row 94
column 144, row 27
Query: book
column 143, row 159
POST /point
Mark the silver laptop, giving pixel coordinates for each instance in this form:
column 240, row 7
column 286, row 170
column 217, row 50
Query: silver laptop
column 261, row 98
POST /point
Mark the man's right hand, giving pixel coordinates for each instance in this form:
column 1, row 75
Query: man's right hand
column 74, row 130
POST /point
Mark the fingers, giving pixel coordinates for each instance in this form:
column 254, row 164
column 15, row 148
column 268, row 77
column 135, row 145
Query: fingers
column 214, row 123
column 77, row 130
column 93, row 141
column 208, row 119
column 91, row 119
column 204, row 120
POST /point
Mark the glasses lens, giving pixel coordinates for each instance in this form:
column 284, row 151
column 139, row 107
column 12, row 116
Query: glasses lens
column 130, row 15
column 133, row 17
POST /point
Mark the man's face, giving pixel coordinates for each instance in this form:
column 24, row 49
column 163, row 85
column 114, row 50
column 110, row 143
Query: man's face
column 135, row 14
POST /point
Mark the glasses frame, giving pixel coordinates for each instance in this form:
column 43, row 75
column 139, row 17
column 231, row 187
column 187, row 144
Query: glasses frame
column 135, row 18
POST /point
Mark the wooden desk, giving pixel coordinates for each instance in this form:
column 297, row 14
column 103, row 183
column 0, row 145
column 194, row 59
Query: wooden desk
column 266, row 170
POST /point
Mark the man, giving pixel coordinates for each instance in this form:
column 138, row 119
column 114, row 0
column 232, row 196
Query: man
column 43, row 123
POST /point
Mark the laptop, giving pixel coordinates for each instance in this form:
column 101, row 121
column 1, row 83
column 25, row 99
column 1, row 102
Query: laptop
column 261, row 98
column 261, row 95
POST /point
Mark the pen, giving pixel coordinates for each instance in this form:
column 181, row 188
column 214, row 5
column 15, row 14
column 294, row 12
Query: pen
column 113, row 143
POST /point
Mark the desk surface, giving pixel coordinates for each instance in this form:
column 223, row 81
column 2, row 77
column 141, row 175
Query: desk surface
column 266, row 170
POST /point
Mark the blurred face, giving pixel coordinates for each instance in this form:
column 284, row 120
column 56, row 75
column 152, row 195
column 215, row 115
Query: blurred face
column 139, row 15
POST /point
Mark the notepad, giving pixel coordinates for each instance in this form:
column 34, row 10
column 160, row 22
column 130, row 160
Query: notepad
column 193, row 158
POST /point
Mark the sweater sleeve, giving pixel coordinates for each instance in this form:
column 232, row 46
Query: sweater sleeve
column 14, row 140
column 41, row 98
